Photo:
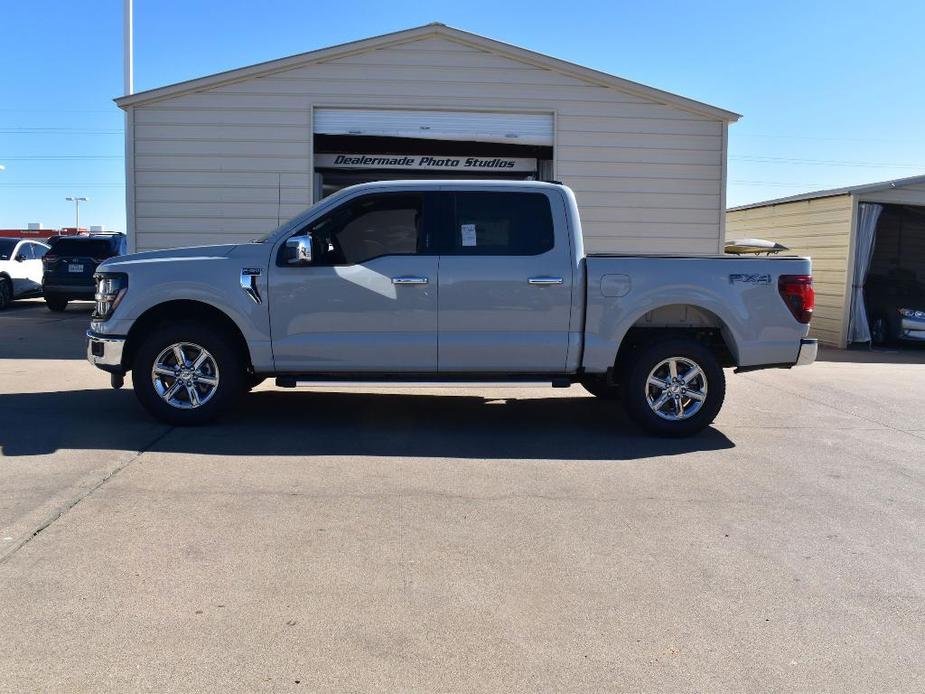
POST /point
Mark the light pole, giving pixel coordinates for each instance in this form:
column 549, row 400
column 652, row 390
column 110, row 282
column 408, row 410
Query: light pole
column 77, row 202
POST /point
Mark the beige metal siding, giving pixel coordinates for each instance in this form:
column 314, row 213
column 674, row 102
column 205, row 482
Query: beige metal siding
column 210, row 166
column 819, row 228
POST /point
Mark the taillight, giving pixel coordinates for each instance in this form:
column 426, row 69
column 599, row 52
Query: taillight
column 797, row 292
column 50, row 259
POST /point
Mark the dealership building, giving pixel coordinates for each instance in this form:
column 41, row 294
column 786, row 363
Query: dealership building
column 227, row 157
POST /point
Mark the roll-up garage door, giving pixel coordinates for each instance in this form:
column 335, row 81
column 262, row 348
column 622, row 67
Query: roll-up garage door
column 511, row 128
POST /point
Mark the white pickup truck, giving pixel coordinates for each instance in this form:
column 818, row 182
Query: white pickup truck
column 434, row 282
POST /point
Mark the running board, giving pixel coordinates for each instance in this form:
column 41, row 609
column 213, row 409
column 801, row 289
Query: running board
column 296, row 382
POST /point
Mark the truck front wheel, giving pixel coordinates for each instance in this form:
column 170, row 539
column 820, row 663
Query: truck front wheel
column 187, row 373
column 674, row 387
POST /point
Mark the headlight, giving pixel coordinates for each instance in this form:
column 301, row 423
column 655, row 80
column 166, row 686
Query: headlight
column 110, row 288
column 912, row 313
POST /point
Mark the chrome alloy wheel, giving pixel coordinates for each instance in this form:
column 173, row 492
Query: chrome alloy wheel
column 185, row 375
column 676, row 388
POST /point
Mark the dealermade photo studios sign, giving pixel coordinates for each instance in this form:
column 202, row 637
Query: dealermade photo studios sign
column 424, row 162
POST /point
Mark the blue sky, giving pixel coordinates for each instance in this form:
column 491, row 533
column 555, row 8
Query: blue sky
column 831, row 92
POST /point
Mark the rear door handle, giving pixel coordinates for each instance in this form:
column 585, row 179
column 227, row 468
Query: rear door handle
column 545, row 280
column 409, row 280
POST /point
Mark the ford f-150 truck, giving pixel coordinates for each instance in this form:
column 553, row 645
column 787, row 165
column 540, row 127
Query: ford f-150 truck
column 432, row 282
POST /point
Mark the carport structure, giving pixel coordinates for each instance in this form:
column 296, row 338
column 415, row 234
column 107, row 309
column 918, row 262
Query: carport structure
column 860, row 238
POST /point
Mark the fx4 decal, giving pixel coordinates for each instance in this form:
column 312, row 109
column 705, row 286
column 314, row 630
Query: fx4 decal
column 750, row 279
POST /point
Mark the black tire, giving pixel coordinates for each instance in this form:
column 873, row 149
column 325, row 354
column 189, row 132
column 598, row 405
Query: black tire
column 636, row 390
column 598, row 386
column 227, row 362
column 6, row 293
column 55, row 303
column 882, row 332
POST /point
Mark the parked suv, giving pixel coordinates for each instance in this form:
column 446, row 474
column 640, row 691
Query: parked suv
column 20, row 269
column 71, row 263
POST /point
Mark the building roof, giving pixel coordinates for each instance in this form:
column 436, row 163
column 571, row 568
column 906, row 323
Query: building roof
column 832, row 192
column 429, row 31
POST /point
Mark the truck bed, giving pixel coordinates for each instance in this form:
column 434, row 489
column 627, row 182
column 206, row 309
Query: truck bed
column 738, row 295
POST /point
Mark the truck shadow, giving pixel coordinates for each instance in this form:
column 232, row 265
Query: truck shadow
column 276, row 423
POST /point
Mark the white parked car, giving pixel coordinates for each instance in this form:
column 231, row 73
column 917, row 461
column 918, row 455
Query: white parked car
column 20, row 269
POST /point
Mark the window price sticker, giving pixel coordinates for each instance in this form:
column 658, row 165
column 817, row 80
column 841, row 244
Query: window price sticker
column 468, row 234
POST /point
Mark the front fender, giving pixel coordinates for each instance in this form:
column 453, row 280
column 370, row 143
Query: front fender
column 214, row 281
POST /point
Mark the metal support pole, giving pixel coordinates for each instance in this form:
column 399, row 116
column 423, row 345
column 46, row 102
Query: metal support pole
column 128, row 48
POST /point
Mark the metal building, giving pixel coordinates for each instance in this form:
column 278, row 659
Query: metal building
column 229, row 156
column 862, row 239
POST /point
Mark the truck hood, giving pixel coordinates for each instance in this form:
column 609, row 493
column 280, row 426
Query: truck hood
column 193, row 252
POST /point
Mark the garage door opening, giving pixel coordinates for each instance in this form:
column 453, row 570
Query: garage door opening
column 357, row 146
column 894, row 288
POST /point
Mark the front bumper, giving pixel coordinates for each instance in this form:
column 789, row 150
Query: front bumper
column 912, row 329
column 70, row 290
column 809, row 348
column 105, row 351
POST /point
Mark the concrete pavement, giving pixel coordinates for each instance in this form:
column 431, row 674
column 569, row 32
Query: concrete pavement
column 471, row 540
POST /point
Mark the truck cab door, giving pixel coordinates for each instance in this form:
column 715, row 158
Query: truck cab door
column 506, row 280
column 367, row 300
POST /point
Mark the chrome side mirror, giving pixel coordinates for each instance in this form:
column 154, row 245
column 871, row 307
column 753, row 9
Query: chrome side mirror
column 299, row 250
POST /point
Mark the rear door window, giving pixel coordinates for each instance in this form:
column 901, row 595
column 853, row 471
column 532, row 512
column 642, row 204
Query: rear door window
column 500, row 223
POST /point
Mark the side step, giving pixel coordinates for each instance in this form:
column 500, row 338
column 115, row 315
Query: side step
column 314, row 382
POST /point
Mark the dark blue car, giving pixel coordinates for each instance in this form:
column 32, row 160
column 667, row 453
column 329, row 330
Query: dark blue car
column 70, row 264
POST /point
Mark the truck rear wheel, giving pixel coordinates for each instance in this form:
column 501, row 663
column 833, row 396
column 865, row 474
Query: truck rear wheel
column 674, row 388
column 187, row 373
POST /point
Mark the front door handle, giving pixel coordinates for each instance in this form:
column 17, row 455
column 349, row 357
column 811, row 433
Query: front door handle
column 545, row 280
column 409, row 280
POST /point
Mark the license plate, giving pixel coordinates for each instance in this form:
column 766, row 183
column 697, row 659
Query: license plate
column 75, row 267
